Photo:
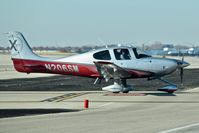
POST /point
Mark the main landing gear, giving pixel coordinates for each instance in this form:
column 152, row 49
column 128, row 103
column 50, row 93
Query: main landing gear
column 119, row 85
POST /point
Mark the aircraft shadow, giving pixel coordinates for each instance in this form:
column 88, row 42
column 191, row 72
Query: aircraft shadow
column 161, row 94
column 5, row 113
column 140, row 94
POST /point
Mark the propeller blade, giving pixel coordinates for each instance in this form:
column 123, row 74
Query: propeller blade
column 181, row 75
column 182, row 58
column 181, row 65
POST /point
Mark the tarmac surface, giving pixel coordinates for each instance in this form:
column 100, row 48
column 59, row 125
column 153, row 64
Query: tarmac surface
column 139, row 111
column 39, row 103
column 49, row 82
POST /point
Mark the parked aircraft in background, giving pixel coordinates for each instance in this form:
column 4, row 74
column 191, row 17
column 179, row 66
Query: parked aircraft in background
column 118, row 63
column 192, row 51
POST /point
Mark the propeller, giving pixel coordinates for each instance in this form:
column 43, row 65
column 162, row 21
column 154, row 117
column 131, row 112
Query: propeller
column 182, row 71
column 181, row 68
column 181, row 75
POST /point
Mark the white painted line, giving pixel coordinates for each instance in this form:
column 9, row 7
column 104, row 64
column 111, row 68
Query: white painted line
column 180, row 128
column 106, row 104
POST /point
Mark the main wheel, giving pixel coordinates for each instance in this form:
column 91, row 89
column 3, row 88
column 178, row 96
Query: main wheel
column 170, row 92
column 125, row 91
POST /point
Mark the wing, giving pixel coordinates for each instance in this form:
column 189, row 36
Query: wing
column 109, row 70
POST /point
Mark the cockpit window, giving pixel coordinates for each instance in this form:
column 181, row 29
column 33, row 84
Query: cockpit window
column 140, row 54
column 122, row 54
column 102, row 55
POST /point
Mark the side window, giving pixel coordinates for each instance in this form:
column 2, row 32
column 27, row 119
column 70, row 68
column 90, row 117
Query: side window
column 122, row 54
column 103, row 55
column 140, row 54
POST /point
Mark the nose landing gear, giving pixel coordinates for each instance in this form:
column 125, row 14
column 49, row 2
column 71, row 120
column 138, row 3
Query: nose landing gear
column 171, row 88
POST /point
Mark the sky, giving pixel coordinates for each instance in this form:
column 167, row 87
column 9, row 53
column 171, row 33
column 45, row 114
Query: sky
column 100, row 22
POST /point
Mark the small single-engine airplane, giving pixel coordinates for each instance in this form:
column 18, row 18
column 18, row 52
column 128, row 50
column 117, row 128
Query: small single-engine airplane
column 118, row 63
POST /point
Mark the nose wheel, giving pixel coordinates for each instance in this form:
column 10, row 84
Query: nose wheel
column 170, row 88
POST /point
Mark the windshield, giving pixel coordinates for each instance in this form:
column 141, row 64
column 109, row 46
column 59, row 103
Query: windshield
column 139, row 53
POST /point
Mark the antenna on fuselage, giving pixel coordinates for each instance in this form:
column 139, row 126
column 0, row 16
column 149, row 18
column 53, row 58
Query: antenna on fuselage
column 119, row 45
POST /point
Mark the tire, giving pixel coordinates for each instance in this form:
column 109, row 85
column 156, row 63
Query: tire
column 125, row 91
column 116, row 92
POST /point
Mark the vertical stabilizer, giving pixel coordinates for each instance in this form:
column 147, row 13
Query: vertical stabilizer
column 19, row 47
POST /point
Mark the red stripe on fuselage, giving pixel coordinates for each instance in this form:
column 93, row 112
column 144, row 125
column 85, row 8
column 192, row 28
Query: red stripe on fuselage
column 86, row 70
column 139, row 74
column 34, row 66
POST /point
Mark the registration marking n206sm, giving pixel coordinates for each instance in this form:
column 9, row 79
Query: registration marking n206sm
column 59, row 67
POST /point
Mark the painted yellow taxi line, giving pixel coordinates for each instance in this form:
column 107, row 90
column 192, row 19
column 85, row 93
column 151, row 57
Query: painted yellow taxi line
column 63, row 97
